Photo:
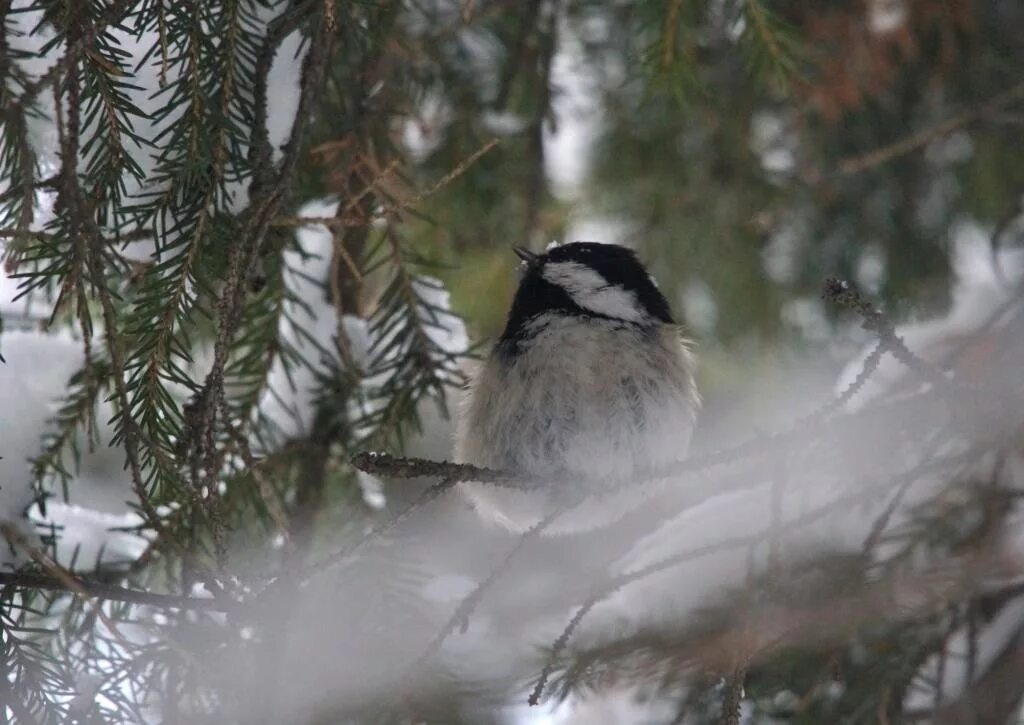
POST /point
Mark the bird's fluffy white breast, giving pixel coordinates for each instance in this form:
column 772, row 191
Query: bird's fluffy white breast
column 595, row 401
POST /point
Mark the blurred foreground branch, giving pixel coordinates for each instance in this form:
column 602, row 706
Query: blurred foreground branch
column 109, row 592
column 900, row 597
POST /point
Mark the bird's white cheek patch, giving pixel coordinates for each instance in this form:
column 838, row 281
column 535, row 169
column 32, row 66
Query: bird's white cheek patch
column 591, row 291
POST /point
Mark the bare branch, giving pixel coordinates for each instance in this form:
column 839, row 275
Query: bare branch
column 922, row 138
column 841, row 293
column 460, row 618
column 18, row 540
column 385, row 464
column 347, row 552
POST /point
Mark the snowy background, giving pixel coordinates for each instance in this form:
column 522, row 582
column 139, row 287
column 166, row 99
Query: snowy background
column 358, row 632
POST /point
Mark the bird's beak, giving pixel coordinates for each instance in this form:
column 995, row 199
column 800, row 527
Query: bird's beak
column 524, row 254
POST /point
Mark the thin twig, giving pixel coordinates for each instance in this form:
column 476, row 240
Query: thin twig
column 880, row 524
column 18, row 540
column 868, row 369
column 347, row 552
column 919, row 139
column 841, row 293
column 614, row 584
column 460, row 617
column 331, row 222
column 261, row 154
column 336, row 222
column 266, row 491
column 559, row 646
column 116, row 353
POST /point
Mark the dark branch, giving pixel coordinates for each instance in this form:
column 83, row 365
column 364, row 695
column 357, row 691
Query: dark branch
column 841, row 293
column 920, row 139
column 100, row 590
column 385, row 464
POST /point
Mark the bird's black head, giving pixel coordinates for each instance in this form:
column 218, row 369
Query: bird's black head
column 585, row 280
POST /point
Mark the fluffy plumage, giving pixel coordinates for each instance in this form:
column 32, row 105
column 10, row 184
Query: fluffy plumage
column 591, row 382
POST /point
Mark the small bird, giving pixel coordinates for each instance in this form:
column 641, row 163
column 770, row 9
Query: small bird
column 591, row 384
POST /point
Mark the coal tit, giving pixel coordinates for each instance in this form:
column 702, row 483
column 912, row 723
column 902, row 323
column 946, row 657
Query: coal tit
column 591, row 385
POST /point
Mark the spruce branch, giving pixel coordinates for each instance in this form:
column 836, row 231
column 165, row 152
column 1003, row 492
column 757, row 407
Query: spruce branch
column 407, row 363
column 519, row 55
column 38, row 685
column 870, row 365
column 882, row 520
column 66, row 267
column 314, row 67
column 383, row 464
column 271, row 500
column 128, row 432
column 346, row 220
column 669, row 32
column 558, row 648
column 109, row 119
column 260, row 151
column 244, row 255
column 113, row 14
column 18, row 162
column 387, row 465
column 259, row 213
column 668, row 58
column 616, row 583
column 86, row 260
column 772, row 46
column 84, row 587
column 17, row 540
column 17, row 157
column 77, row 413
column 198, row 154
